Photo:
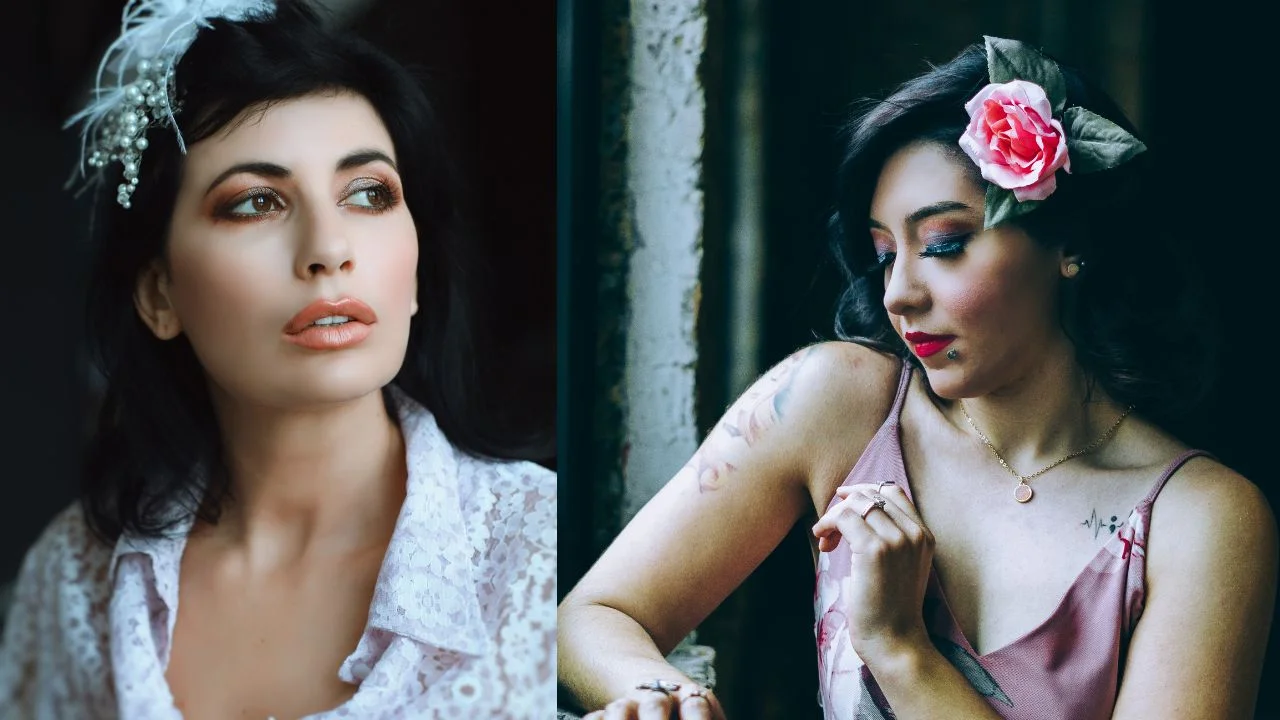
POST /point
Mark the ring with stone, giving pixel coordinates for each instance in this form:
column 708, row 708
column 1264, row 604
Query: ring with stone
column 663, row 686
column 878, row 502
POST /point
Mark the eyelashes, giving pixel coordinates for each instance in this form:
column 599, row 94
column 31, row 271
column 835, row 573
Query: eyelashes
column 883, row 261
column 389, row 197
column 252, row 200
column 945, row 246
column 254, row 204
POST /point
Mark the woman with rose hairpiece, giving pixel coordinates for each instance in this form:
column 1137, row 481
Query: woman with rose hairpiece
column 1005, row 371
column 299, row 500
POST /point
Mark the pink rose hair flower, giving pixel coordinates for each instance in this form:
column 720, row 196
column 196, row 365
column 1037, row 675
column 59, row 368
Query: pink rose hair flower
column 1015, row 140
column 1020, row 128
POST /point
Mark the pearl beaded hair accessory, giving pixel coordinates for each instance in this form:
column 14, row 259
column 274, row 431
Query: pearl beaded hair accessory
column 155, row 34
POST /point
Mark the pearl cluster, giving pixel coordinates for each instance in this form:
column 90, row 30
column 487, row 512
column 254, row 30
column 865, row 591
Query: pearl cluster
column 122, row 135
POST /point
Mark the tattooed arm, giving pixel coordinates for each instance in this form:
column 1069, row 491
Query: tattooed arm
column 743, row 426
column 786, row 441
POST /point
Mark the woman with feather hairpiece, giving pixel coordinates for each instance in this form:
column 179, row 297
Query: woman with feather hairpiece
column 298, row 501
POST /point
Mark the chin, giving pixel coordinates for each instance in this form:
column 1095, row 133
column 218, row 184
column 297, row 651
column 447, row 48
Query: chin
column 337, row 385
column 948, row 383
column 317, row 386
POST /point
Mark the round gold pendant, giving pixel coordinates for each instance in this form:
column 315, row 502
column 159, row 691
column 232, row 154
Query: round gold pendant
column 1022, row 493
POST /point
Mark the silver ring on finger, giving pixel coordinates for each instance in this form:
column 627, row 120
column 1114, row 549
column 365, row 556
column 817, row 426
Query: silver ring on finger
column 699, row 693
column 657, row 685
column 878, row 502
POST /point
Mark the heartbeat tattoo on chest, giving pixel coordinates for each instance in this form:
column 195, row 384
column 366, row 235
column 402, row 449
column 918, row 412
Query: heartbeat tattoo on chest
column 1097, row 524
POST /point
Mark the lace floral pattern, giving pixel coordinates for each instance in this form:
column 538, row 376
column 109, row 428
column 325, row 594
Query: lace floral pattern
column 462, row 622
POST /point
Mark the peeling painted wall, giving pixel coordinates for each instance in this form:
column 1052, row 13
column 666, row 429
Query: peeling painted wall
column 665, row 123
column 613, row 249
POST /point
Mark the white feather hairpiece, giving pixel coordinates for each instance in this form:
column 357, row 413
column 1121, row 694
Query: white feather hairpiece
column 139, row 93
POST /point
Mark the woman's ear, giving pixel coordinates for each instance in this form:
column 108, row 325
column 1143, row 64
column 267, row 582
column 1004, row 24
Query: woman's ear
column 151, row 299
column 413, row 308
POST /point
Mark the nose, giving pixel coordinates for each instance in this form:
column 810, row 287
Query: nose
column 323, row 245
column 904, row 290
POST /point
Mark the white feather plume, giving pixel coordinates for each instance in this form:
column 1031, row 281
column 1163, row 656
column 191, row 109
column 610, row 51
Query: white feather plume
column 158, row 31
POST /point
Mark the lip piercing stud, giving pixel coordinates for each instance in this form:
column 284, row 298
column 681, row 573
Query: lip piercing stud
column 952, row 354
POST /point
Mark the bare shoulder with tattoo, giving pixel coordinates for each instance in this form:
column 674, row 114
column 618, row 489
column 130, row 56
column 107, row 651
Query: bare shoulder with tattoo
column 756, row 412
column 814, row 398
column 748, row 484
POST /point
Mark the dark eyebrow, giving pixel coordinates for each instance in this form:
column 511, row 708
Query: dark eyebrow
column 265, row 169
column 937, row 208
column 271, row 170
column 364, row 157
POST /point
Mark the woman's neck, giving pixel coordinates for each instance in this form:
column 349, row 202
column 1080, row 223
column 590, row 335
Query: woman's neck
column 329, row 479
column 1040, row 416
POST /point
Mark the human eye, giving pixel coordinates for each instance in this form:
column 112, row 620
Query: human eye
column 251, row 204
column 946, row 246
column 372, row 195
column 883, row 260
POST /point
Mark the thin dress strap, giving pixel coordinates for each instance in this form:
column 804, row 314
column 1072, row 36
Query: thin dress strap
column 904, row 382
column 1169, row 470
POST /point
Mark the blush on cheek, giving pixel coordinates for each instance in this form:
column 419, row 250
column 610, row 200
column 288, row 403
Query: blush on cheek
column 233, row 312
column 400, row 270
column 975, row 299
column 977, row 308
column 229, row 313
column 1000, row 305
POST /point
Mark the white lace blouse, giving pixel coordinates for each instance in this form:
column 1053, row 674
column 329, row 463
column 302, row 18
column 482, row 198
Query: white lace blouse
column 462, row 623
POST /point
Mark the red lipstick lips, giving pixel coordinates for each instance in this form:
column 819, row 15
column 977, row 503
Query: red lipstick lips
column 925, row 344
column 331, row 324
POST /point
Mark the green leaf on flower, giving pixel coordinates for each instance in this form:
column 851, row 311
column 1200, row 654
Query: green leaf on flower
column 1095, row 143
column 1012, row 60
column 1002, row 205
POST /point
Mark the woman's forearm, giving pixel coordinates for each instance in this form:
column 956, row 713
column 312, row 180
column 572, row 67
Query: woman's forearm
column 602, row 654
column 920, row 684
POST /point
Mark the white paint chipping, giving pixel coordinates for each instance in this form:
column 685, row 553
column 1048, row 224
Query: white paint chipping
column 665, row 139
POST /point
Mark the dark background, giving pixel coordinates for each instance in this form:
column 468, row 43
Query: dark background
column 1203, row 78
column 493, row 83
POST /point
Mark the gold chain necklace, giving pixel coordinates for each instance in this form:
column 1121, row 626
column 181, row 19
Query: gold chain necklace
column 1022, row 492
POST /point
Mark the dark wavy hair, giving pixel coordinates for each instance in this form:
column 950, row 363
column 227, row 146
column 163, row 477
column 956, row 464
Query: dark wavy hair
column 157, row 442
column 1135, row 314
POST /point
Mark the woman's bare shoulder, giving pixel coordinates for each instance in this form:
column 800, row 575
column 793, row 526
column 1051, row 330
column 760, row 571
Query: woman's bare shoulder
column 1209, row 511
column 843, row 391
column 855, row 371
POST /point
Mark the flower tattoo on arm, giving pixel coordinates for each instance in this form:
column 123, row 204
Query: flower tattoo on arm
column 758, row 410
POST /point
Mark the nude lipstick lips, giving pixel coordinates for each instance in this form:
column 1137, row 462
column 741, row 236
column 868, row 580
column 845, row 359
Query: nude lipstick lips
column 925, row 344
column 331, row 324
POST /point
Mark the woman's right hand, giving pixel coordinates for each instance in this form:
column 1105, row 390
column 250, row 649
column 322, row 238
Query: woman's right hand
column 690, row 702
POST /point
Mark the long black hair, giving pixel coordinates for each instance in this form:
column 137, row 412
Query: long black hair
column 157, row 446
column 1135, row 314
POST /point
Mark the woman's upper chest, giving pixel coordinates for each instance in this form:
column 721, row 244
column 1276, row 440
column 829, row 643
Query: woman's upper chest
column 1005, row 567
column 269, row 645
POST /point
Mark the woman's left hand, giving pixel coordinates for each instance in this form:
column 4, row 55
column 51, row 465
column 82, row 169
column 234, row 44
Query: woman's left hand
column 891, row 551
